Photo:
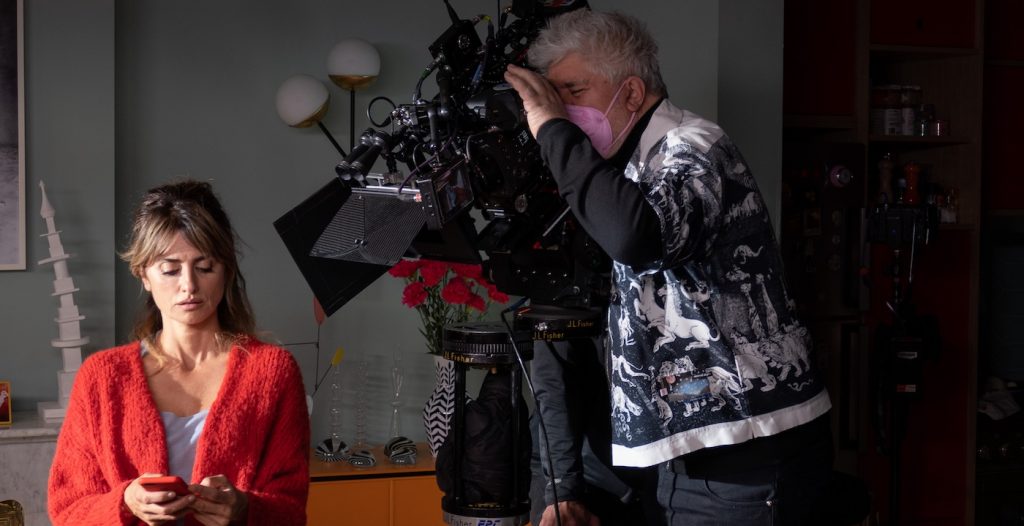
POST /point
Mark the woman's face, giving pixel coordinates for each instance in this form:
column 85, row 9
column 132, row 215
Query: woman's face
column 187, row 286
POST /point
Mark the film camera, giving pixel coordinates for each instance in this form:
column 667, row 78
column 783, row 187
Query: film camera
column 466, row 148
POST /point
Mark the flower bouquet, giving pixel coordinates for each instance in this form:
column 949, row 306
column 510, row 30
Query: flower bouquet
column 444, row 293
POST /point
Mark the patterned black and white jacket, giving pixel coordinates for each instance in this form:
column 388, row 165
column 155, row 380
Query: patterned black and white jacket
column 706, row 348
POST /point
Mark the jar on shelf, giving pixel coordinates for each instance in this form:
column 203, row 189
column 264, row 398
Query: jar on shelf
column 886, row 113
column 910, row 100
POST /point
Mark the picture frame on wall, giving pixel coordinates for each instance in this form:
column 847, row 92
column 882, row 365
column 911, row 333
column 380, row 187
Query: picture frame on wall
column 6, row 413
column 12, row 136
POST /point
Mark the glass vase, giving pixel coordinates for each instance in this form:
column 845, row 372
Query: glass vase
column 397, row 374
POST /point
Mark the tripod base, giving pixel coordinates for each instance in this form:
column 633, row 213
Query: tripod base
column 484, row 514
column 504, row 500
column 458, row 520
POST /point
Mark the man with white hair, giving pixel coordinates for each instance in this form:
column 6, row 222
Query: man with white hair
column 697, row 274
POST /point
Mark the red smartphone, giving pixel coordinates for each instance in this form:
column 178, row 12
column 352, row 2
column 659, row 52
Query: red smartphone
column 169, row 483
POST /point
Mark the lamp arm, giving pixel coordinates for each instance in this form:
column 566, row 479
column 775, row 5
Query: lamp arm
column 331, row 138
column 352, row 118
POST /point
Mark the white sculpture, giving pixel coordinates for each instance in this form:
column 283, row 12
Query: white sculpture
column 70, row 339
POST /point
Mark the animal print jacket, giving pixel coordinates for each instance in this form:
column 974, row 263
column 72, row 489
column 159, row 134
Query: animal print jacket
column 706, row 348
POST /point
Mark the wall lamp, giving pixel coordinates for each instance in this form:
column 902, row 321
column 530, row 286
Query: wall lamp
column 302, row 100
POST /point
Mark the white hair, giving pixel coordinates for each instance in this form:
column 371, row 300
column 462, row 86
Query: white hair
column 612, row 44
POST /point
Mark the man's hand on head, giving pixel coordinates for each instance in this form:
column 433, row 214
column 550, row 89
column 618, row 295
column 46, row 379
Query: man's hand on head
column 540, row 99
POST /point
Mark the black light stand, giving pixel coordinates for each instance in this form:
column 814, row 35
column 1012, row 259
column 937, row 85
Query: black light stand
column 574, row 328
column 905, row 343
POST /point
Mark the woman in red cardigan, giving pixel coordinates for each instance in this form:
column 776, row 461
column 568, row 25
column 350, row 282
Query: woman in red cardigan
column 196, row 395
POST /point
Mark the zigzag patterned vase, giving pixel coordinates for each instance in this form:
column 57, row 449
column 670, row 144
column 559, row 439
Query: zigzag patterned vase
column 437, row 412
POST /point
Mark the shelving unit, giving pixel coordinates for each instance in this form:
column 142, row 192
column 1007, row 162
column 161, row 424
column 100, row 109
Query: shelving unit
column 936, row 45
column 913, row 141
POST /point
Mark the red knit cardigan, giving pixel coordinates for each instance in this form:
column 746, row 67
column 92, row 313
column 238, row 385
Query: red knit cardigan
column 256, row 434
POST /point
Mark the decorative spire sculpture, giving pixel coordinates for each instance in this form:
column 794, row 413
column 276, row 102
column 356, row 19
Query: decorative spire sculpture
column 70, row 339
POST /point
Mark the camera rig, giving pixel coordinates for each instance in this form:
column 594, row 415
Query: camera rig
column 466, row 148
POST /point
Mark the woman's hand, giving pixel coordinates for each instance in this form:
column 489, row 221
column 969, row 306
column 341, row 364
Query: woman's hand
column 219, row 502
column 155, row 507
column 540, row 99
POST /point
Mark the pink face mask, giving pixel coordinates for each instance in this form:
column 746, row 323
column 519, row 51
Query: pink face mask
column 595, row 124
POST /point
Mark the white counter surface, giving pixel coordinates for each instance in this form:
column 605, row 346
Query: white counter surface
column 26, row 452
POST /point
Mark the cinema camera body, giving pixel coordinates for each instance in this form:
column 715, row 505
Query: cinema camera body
column 466, row 148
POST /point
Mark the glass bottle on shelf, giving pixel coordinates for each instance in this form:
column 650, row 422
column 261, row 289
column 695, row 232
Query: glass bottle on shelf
column 948, row 212
column 334, row 417
column 362, row 370
column 885, row 166
column 925, row 116
column 912, row 175
column 397, row 374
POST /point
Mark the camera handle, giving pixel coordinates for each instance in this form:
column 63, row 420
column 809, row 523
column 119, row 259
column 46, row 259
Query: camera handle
column 354, row 168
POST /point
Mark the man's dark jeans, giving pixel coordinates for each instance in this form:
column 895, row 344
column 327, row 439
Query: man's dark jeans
column 783, row 494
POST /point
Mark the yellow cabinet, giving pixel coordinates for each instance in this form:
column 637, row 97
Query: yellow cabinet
column 384, row 495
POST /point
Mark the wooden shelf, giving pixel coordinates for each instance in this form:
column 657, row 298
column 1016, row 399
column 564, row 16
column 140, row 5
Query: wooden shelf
column 912, row 53
column 324, row 471
column 820, row 122
column 968, row 227
column 945, row 140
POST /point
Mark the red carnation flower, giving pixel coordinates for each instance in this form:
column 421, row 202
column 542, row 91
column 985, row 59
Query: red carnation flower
column 405, row 268
column 414, row 294
column 456, row 292
column 433, row 272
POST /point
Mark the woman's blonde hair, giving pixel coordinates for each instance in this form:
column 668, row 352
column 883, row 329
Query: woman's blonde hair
column 190, row 208
column 614, row 45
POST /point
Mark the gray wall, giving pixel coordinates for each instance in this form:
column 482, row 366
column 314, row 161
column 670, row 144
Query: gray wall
column 750, row 89
column 195, row 85
column 69, row 86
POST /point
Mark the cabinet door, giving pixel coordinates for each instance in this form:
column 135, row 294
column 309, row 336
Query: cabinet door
column 417, row 500
column 933, row 23
column 819, row 58
column 349, row 503
column 1002, row 21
